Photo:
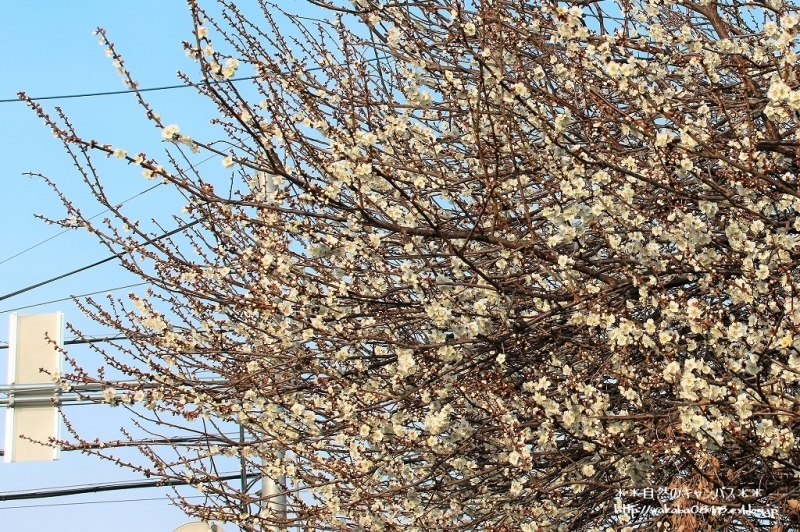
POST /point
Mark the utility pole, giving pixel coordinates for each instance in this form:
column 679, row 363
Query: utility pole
column 273, row 491
column 35, row 343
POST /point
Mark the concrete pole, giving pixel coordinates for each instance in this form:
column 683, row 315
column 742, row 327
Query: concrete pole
column 273, row 491
column 29, row 397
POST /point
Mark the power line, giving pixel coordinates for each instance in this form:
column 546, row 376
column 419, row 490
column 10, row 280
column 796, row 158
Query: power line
column 84, row 341
column 123, row 202
column 91, row 218
column 162, row 88
column 127, row 91
column 53, row 279
column 69, row 298
column 79, row 341
column 98, row 263
column 95, row 488
column 114, row 501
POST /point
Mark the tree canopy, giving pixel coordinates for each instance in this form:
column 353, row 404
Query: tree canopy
column 491, row 265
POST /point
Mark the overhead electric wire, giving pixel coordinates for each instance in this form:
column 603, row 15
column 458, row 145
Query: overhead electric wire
column 154, row 89
column 98, row 263
column 121, row 482
column 148, row 242
column 123, row 202
column 68, row 298
column 113, row 501
column 124, row 91
column 80, row 341
column 62, row 276
column 95, row 488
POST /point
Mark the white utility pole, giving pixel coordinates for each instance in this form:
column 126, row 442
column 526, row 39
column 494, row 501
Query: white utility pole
column 273, row 491
column 30, row 410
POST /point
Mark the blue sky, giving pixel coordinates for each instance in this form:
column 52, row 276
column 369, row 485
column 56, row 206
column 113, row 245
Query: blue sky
column 48, row 49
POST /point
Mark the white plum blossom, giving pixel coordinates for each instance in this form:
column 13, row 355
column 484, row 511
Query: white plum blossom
column 778, row 91
column 170, row 132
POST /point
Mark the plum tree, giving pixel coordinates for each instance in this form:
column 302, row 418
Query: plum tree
column 490, row 265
